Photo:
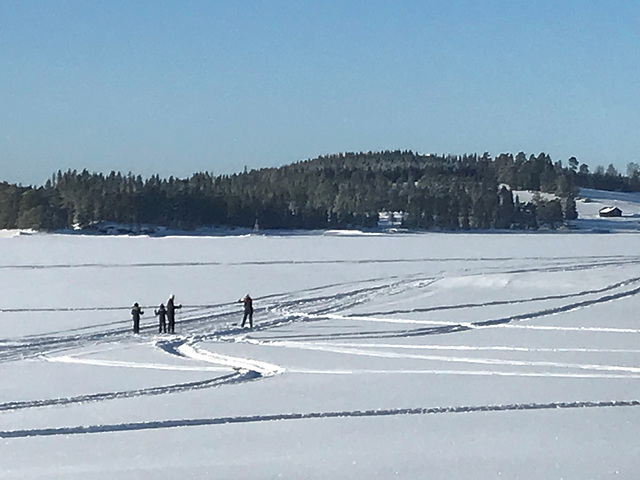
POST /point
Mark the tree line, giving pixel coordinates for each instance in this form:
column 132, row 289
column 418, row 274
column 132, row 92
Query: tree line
column 346, row 190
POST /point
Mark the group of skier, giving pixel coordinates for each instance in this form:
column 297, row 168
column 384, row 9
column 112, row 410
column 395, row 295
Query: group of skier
column 164, row 314
column 167, row 315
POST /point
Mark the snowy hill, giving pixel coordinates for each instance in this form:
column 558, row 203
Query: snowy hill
column 591, row 201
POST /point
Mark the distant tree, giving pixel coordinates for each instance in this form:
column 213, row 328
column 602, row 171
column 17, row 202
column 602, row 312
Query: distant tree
column 633, row 169
column 524, row 215
column 549, row 213
column 506, row 210
column 573, row 164
column 9, row 205
column 570, row 211
column 30, row 212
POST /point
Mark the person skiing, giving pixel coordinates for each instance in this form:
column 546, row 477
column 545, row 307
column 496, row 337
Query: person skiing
column 136, row 311
column 248, row 310
column 171, row 313
column 162, row 316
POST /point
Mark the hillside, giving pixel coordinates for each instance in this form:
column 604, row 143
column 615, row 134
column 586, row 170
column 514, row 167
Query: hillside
column 590, row 201
column 338, row 191
column 344, row 191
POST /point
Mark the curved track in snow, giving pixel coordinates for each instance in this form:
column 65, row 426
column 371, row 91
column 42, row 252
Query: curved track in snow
column 333, row 301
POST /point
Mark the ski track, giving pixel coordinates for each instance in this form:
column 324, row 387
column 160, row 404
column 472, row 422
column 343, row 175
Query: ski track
column 41, row 266
column 20, row 350
column 200, row 422
column 285, row 315
column 468, row 373
column 467, row 360
column 317, row 304
column 134, row 365
column 233, row 378
column 187, row 350
column 245, row 370
column 461, row 306
column 493, row 348
column 445, row 328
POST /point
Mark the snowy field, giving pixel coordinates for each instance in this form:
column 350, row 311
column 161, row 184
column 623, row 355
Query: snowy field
column 590, row 203
column 448, row 356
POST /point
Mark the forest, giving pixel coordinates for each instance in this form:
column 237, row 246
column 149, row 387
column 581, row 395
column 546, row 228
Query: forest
column 346, row 190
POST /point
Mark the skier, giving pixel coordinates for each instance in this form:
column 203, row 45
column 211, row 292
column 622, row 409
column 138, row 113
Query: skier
column 248, row 310
column 171, row 313
column 162, row 315
column 136, row 311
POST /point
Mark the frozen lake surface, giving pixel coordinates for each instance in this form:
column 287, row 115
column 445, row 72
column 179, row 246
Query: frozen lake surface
column 373, row 356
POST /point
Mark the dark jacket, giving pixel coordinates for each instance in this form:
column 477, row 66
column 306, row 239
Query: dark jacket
column 248, row 304
column 136, row 311
column 171, row 309
column 161, row 312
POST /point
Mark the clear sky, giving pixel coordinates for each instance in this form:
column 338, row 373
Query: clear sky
column 176, row 87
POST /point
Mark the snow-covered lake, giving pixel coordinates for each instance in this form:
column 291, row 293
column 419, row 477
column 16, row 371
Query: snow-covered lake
column 449, row 356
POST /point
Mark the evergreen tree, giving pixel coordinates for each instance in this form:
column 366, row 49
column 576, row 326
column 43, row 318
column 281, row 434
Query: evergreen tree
column 346, row 190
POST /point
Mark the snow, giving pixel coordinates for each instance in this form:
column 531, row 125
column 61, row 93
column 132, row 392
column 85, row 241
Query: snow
column 592, row 201
column 526, row 196
column 588, row 205
column 15, row 233
column 449, row 356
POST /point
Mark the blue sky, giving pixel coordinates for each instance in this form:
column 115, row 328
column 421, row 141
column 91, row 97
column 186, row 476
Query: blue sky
column 176, row 87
